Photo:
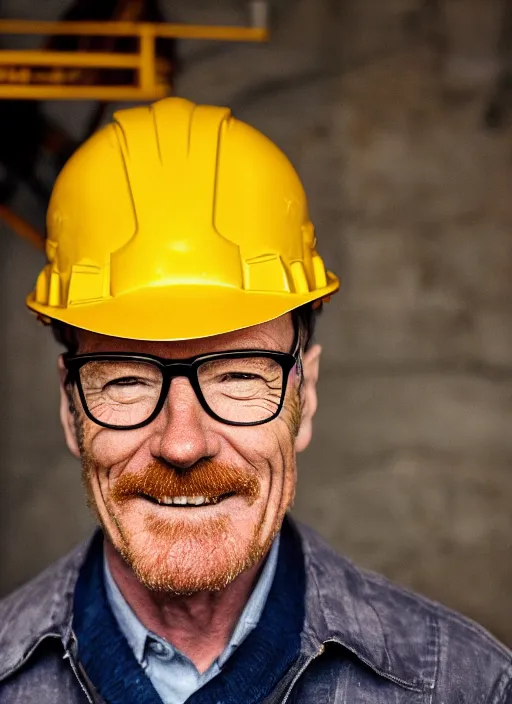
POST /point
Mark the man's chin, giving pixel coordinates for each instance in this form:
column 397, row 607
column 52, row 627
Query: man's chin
column 181, row 559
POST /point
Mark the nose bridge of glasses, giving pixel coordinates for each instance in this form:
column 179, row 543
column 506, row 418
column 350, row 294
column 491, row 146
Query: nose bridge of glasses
column 173, row 369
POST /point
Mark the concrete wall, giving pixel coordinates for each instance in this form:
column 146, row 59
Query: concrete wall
column 379, row 105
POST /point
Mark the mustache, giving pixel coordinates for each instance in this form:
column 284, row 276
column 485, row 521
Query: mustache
column 206, row 478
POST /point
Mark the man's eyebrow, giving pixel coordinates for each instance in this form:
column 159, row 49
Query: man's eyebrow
column 262, row 345
column 257, row 345
column 241, row 346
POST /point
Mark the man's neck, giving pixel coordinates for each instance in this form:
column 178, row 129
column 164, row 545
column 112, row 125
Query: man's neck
column 199, row 625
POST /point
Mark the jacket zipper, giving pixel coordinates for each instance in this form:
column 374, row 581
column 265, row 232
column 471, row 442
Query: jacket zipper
column 78, row 671
column 300, row 672
column 74, row 667
column 80, row 675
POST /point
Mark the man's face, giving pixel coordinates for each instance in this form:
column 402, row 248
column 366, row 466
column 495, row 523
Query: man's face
column 183, row 452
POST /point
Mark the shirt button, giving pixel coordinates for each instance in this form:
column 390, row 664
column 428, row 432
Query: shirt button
column 158, row 648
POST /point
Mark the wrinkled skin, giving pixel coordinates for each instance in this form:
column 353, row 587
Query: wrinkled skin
column 182, row 551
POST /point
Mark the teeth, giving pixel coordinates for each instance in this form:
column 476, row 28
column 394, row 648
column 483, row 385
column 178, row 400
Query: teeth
column 187, row 500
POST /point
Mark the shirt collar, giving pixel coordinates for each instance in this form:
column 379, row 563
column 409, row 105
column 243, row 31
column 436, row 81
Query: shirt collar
column 132, row 629
column 137, row 634
column 253, row 609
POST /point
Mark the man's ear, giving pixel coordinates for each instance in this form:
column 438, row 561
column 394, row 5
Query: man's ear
column 310, row 365
column 67, row 417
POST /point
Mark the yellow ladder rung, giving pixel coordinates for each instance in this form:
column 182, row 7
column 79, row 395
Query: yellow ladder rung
column 82, row 59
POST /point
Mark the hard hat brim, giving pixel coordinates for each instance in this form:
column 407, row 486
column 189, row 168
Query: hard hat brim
column 168, row 313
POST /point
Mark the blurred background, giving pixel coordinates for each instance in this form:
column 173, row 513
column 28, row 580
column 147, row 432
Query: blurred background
column 398, row 116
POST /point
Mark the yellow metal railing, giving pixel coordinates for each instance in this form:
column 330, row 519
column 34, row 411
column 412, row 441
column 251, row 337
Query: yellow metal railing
column 21, row 77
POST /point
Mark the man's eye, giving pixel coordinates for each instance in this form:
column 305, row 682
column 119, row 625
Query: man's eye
column 124, row 381
column 237, row 376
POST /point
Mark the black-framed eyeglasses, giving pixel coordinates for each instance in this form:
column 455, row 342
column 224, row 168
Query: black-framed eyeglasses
column 126, row 391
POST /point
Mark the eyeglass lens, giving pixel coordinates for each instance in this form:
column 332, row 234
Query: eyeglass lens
column 126, row 392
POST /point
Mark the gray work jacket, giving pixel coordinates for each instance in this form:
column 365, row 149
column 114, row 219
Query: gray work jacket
column 364, row 641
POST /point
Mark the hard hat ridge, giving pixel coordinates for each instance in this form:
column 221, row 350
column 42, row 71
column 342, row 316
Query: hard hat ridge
column 174, row 202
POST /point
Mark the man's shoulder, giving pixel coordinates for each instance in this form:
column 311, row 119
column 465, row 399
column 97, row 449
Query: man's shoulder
column 461, row 643
column 39, row 608
column 57, row 573
column 402, row 634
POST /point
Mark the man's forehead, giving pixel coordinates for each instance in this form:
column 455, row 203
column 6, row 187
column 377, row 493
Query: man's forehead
column 275, row 334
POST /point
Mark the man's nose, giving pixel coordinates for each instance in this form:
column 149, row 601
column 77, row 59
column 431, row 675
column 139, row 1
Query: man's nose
column 181, row 437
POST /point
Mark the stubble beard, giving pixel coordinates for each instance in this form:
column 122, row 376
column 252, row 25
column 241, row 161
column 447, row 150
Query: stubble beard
column 177, row 557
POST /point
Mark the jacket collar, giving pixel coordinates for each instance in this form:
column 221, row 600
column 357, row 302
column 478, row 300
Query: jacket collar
column 40, row 609
column 387, row 628
column 354, row 609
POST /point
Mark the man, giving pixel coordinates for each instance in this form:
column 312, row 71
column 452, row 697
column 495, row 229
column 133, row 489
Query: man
column 184, row 281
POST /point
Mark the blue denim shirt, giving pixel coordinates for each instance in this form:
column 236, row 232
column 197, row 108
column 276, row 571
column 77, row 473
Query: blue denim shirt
column 172, row 674
column 364, row 641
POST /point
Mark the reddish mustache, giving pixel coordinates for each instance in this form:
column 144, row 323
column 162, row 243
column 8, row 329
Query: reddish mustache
column 208, row 478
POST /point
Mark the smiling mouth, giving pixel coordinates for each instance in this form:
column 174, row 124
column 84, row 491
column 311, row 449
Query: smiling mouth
column 188, row 501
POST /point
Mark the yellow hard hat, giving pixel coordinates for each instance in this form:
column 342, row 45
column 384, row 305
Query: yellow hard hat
column 175, row 222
